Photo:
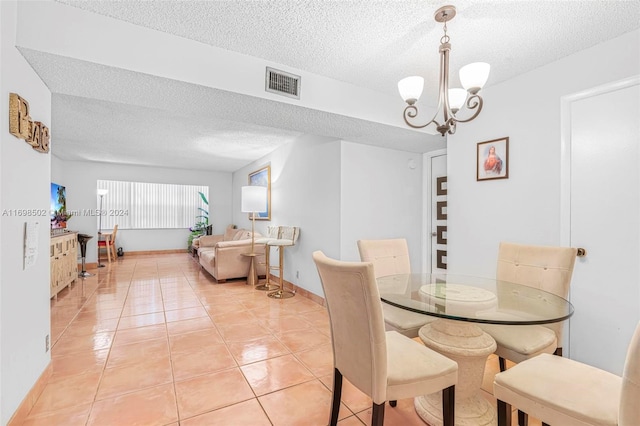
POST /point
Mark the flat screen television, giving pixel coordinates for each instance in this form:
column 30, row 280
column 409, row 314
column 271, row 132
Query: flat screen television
column 58, row 206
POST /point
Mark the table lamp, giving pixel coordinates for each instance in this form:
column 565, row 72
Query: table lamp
column 253, row 199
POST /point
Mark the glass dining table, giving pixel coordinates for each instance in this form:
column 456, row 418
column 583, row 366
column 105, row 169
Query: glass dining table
column 459, row 307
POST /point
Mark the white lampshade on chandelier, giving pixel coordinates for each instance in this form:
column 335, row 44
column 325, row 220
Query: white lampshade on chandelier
column 450, row 101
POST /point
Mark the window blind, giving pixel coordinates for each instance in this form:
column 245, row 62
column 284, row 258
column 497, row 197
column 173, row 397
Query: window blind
column 142, row 205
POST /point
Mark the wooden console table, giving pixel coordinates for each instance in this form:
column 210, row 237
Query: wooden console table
column 63, row 256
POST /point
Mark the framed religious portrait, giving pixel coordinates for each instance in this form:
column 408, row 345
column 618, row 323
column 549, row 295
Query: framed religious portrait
column 262, row 177
column 492, row 159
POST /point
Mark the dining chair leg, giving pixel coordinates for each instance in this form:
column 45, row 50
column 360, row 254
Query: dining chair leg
column 337, row 394
column 393, row 403
column 523, row 418
column 448, row 406
column 504, row 413
column 503, row 364
column 377, row 418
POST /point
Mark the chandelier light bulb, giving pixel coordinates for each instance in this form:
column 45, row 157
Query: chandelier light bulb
column 410, row 88
column 474, row 76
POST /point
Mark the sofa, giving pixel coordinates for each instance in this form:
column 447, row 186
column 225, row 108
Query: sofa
column 222, row 255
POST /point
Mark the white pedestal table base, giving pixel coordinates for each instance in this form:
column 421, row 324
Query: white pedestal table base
column 469, row 346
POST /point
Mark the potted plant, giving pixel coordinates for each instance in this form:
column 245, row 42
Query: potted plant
column 202, row 225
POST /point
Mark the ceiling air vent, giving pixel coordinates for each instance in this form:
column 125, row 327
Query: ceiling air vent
column 282, row 83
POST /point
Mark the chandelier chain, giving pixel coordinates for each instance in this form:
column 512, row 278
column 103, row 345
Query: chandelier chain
column 445, row 38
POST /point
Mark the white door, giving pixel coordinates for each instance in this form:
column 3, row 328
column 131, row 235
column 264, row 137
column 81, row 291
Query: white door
column 601, row 197
column 438, row 206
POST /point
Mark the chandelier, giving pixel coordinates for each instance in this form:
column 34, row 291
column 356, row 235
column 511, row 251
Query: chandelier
column 450, row 101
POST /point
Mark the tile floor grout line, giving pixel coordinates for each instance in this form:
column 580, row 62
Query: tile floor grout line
column 173, row 377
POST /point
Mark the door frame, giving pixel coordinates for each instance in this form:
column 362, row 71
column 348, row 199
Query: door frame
column 426, row 206
column 565, row 164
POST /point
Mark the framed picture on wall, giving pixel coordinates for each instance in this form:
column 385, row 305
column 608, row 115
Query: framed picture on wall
column 262, row 177
column 492, row 159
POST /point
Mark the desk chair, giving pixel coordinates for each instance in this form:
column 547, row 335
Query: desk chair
column 386, row 366
column 546, row 268
column 391, row 257
column 109, row 244
column 561, row 391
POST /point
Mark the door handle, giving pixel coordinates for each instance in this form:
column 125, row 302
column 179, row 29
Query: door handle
column 434, row 234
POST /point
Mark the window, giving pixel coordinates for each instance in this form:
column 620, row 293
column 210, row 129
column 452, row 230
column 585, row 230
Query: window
column 140, row 205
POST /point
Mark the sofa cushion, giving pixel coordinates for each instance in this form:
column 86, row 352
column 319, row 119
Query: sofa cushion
column 207, row 257
column 244, row 234
column 229, row 233
column 209, row 240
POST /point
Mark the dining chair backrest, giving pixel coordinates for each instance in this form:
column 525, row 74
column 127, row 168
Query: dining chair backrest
column 389, row 256
column 544, row 267
column 113, row 234
column 629, row 411
column 357, row 326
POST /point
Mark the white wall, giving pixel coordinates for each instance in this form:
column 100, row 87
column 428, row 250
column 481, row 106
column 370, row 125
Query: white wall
column 526, row 206
column 381, row 197
column 79, row 178
column 305, row 192
column 24, row 184
column 337, row 192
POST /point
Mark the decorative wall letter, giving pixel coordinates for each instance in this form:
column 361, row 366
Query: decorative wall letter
column 21, row 126
column 19, row 120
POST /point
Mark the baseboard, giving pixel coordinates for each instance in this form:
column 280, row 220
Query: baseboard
column 29, row 401
column 299, row 290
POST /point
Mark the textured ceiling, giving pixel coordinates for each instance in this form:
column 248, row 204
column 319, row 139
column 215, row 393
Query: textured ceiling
column 367, row 43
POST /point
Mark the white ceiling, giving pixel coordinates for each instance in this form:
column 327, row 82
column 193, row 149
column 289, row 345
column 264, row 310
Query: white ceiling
column 366, row 43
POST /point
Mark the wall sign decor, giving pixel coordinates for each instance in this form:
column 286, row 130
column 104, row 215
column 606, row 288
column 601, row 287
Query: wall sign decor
column 492, row 158
column 35, row 133
column 262, row 177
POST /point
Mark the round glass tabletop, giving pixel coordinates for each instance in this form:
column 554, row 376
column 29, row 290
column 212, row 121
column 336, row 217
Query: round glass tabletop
column 473, row 299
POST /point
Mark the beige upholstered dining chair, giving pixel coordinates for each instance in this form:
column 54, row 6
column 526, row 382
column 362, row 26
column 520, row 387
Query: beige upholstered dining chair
column 386, row 366
column 544, row 267
column 389, row 257
column 561, row 391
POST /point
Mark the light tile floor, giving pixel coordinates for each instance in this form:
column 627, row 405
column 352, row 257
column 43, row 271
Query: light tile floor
column 154, row 340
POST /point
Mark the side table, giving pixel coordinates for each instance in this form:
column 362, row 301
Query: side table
column 252, row 277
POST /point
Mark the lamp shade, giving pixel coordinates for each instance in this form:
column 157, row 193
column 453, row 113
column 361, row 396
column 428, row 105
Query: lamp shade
column 102, row 191
column 253, row 199
column 457, row 97
column 474, row 76
column 410, row 88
